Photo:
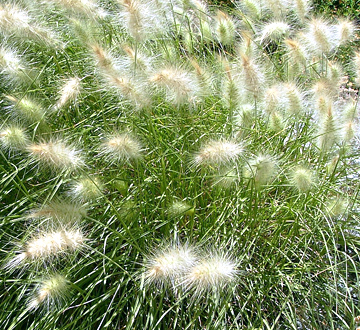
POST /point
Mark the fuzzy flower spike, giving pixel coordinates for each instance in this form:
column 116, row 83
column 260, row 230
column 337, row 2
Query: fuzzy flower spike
column 56, row 155
column 218, row 153
column 47, row 245
column 121, row 147
column 213, row 272
column 167, row 265
column 51, row 291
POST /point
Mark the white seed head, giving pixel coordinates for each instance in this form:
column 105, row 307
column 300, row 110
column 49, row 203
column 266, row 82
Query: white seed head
column 16, row 21
column 245, row 116
column 87, row 7
column 224, row 29
column 302, row 179
column 261, row 169
column 68, row 92
column 328, row 132
column 320, row 36
column 166, row 266
column 301, row 8
column 13, row 138
column 141, row 18
column 297, row 51
column 27, row 109
column 213, row 272
column 87, row 189
column 278, row 8
column 226, row 178
column 47, row 245
column 121, row 147
column 274, row 31
column 345, row 31
column 349, row 131
column 56, row 155
column 180, row 86
column 252, row 7
column 276, row 122
column 11, row 64
column 218, row 153
column 50, row 291
column 231, row 90
column 274, row 98
column 294, row 99
column 180, row 208
column 61, row 212
column 337, row 206
column 253, row 76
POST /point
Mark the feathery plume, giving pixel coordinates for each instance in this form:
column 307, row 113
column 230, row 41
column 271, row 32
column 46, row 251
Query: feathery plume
column 141, row 19
column 46, row 245
column 226, row 178
column 244, row 116
column 274, row 31
column 56, row 155
column 27, row 109
column 14, row 20
column 130, row 88
column 68, row 92
column 218, row 153
column 261, row 169
column 273, row 99
column 276, row 122
column 301, row 8
column 323, row 104
column 224, row 28
column 253, row 77
column 231, row 89
column 277, row 7
column 12, row 65
column 13, row 138
column 349, row 131
column 294, row 99
column 213, row 272
column 167, row 265
column 180, row 208
column 87, row 7
column 251, row 7
column 337, row 206
column 181, row 86
column 297, row 52
column 320, row 36
column 59, row 211
column 345, row 30
column 86, row 189
column 328, row 132
column 136, row 61
column 121, row 148
column 50, row 292
column 302, row 179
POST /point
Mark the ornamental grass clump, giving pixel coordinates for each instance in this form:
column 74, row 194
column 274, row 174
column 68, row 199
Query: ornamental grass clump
column 171, row 156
